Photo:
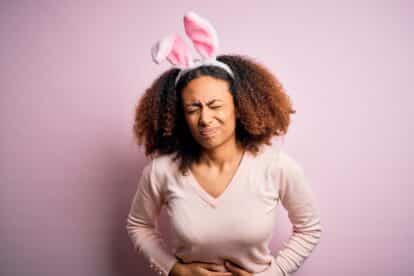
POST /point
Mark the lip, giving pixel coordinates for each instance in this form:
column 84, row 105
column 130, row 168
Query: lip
column 208, row 132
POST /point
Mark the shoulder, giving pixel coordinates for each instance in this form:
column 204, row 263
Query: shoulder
column 155, row 172
column 162, row 166
column 267, row 154
column 164, row 162
column 278, row 160
column 289, row 164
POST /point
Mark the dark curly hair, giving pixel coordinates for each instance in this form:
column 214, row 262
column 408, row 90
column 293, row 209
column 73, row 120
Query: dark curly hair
column 262, row 105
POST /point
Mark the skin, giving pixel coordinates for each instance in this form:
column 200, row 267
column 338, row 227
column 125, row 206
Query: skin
column 208, row 103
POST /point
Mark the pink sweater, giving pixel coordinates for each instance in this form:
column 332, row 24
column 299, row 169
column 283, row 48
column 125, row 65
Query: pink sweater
column 237, row 225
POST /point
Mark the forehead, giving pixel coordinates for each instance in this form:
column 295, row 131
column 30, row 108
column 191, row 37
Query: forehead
column 206, row 88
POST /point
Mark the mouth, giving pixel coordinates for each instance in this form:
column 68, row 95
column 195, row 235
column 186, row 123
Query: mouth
column 208, row 132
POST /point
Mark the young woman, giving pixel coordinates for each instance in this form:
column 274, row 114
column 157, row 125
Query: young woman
column 207, row 126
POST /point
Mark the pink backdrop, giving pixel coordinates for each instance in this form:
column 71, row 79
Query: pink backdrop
column 70, row 77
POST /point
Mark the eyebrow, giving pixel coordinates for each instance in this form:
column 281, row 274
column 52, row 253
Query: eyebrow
column 197, row 103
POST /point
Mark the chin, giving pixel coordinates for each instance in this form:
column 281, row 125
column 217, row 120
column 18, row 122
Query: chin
column 210, row 143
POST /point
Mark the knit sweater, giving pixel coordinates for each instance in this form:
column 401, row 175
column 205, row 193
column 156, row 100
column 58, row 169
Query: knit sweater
column 237, row 225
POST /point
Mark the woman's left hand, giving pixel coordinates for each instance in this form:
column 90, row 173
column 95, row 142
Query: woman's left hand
column 236, row 270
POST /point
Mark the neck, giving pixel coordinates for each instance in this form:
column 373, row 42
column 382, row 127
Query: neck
column 222, row 156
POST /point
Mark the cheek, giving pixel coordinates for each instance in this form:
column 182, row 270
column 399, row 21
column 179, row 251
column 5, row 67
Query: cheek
column 228, row 117
column 192, row 121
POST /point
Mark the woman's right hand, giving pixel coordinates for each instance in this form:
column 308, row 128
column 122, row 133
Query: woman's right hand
column 198, row 269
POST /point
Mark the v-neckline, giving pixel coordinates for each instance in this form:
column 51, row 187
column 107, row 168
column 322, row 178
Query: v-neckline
column 214, row 201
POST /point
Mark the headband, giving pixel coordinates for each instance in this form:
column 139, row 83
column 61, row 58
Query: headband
column 177, row 52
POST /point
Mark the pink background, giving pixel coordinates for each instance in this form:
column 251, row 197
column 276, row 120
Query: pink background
column 71, row 74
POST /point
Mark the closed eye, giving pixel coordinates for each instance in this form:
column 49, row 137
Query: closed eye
column 194, row 110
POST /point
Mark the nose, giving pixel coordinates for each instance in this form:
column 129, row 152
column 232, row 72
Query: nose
column 205, row 117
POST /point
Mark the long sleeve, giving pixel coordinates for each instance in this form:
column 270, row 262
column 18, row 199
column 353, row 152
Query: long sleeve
column 141, row 222
column 297, row 198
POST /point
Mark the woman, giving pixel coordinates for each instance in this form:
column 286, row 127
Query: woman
column 208, row 126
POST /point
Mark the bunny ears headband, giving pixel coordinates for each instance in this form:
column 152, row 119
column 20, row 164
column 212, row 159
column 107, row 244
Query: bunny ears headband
column 176, row 51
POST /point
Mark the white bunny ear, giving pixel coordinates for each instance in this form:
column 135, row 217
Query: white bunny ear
column 202, row 34
column 174, row 49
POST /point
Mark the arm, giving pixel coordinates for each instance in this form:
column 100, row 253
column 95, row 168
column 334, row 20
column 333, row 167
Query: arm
column 141, row 222
column 298, row 199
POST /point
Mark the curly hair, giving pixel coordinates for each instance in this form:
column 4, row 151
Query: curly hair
column 262, row 105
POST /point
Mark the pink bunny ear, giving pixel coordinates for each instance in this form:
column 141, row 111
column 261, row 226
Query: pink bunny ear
column 202, row 34
column 174, row 49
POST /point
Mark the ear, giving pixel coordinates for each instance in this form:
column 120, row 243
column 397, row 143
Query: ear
column 174, row 49
column 202, row 34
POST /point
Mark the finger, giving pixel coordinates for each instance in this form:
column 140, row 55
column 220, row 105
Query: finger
column 218, row 268
column 213, row 267
column 221, row 274
column 234, row 269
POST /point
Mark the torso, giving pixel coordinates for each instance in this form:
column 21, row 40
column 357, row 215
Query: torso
column 233, row 210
